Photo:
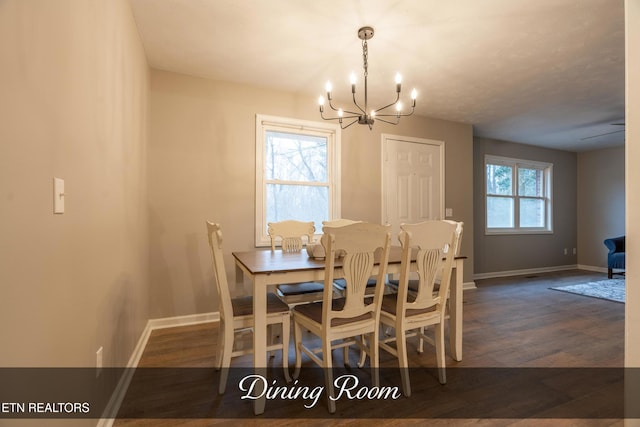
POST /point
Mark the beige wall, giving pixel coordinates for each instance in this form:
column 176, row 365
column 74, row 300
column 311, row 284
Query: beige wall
column 600, row 203
column 202, row 167
column 73, row 104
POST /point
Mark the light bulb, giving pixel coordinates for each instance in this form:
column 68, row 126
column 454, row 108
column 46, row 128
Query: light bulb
column 321, row 100
column 399, row 106
column 352, row 78
column 328, row 87
column 414, row 94
column 340, row 112
column 398, row 78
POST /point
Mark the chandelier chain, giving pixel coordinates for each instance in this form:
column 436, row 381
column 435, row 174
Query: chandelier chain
column 365, row 57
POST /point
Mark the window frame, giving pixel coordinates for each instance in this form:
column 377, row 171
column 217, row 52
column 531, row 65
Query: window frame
column 547, row 197
column 332, row 132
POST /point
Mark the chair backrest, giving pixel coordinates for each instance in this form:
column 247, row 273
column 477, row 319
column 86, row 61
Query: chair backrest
column 215, row 242
column 291, row 234
column 339, row 222
column 436, row 243
column 458, row 237
column 361, row 245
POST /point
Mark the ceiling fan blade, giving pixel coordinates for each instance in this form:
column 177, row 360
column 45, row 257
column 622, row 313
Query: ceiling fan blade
column 602, row 134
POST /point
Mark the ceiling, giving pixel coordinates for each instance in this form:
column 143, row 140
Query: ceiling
column 544, row 72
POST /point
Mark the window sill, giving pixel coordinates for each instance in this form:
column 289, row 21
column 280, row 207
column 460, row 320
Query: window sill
column 515, row 232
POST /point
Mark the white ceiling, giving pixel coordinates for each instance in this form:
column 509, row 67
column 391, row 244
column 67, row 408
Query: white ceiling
column 543, row 72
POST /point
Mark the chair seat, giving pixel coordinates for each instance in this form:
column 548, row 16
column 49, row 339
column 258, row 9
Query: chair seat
column 413, row 284
column 300, row 288
column 314, row 312
column 341, row 283
column 303, row 293
column 243, row 306
column 390, row 303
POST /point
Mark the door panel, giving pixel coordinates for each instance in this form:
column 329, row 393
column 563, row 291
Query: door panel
column 413, row 180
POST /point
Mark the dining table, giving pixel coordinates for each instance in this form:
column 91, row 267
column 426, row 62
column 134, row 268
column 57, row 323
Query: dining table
column 264, row 267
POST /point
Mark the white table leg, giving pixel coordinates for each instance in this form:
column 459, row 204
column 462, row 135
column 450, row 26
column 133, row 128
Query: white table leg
column 239, row 280
column 259, row 336
column 455, row 317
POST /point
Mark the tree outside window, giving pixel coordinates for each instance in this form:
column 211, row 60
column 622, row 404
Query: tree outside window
column 297, row 172
column 296, row 177
column 518, row 196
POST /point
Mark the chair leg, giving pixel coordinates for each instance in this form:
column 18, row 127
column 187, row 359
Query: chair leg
column 297, row 340
column 272, row 335
column 220, row 345
column 610, row 273
column 226, row 359
column 374, row 358
column 403, row 364
column 440, row 356
column 286, row 330
column 345, row 356
column 328, row 374
column 363, row 353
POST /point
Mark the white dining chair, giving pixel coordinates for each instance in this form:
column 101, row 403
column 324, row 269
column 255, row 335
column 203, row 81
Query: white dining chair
column 292, row 236
column 413, row 283
column 407, row 311
column 340, row 283
column 236, row 314
column 345, row 320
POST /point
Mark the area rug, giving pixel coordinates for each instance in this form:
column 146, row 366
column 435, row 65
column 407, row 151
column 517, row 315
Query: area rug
column 610, row 289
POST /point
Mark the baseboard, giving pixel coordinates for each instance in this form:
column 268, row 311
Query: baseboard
column 524, row 272
column 191, row 319
column 468, row 285
column 592, row 268
column 152, row 324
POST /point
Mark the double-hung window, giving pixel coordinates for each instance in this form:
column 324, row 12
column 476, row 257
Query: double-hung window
column 297, row 172
column 518, row 196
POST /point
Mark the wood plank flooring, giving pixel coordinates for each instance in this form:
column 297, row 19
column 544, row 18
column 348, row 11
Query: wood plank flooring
column 515, row 322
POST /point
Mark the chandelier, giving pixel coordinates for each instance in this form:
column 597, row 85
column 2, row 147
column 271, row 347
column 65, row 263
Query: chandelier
column 364, row 116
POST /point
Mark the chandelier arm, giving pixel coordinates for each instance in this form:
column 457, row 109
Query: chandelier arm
column 388, row 121
column 390, row 105
column 355, row 114
column 339, row 118
column 344, row 127
column 356, row 104
column 396, row 115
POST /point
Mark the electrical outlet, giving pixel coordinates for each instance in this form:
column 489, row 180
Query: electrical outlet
column 574, row 251
column 99, row 362
column 566, row 251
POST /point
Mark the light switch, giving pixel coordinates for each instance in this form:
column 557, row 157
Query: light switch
column 58, row 196
column 448, row 212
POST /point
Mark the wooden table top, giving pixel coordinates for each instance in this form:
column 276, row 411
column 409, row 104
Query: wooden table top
column 267, row 261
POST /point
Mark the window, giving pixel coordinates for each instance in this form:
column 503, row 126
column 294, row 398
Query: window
column 518, row 196
column 297, row 172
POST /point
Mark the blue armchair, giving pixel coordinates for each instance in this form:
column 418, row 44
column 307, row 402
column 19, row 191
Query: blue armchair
column 615, row 257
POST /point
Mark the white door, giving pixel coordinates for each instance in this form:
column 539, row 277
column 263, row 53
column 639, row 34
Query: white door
column 413, row 181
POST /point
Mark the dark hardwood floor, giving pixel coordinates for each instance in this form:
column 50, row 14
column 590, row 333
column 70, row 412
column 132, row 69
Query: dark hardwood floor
column 509, row 324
